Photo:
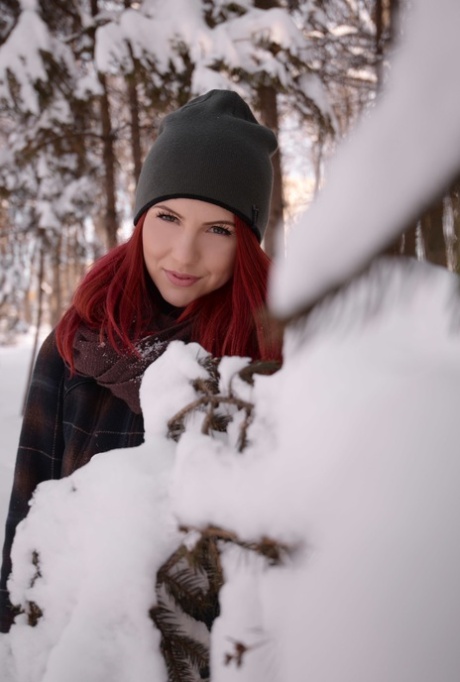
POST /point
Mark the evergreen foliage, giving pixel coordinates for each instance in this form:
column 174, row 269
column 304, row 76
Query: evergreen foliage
column 188, row 583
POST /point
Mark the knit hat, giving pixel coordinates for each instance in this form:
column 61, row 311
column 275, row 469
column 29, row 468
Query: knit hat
column 212, row 149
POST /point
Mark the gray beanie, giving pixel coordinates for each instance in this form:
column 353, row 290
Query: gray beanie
column 212, row 149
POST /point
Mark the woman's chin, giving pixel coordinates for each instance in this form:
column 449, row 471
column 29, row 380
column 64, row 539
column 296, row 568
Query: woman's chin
column 179, row 299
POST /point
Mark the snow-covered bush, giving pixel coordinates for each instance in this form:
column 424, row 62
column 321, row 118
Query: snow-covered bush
column 336, row 520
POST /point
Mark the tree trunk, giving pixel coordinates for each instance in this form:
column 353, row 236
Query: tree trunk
column 379, row 41
column 56, row 297
column 133, row 98
column 386, row 19
column 433, row 234
column 135, row 128
column 268, row 107
column 40, row 277
column 269, row 115
column 108, row 155
column 454, row 196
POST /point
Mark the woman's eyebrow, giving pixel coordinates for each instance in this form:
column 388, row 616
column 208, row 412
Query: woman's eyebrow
column 220, row 222
column 167, row 208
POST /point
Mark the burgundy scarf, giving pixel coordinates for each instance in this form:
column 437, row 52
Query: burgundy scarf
column 122, row 374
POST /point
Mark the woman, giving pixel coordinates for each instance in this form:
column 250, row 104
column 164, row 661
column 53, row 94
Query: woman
column 192, row 270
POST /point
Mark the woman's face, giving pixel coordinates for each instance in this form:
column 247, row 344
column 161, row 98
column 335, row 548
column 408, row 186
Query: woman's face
column 189, row 248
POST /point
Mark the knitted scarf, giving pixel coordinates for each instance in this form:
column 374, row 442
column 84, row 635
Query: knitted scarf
column 122, row 374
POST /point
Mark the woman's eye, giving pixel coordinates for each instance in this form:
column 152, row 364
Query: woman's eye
column 168, row 217
column 220, row 229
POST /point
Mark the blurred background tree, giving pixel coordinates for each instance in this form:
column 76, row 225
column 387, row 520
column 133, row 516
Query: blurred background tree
column 84, row 85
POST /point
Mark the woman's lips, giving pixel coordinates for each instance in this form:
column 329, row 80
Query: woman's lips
column 180, row 279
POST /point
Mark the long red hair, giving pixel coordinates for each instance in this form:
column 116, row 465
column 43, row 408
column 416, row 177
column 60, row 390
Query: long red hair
column 118, row 298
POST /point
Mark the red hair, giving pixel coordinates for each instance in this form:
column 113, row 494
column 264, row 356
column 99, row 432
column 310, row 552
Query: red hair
column 117, row 298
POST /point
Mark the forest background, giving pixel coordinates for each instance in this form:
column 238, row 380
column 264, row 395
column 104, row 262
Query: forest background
column 84, row 85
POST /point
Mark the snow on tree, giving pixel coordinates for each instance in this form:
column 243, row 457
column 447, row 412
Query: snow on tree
column 45, row 166
column 82, row 87
column 335, row 523
column 41, row 166
column 401, row 157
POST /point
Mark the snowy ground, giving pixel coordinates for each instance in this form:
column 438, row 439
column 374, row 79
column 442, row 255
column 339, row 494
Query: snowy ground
column 14, row 364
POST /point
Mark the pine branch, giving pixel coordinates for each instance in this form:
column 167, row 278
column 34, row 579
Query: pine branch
column 36, row 563
column 207, row 554
column 190, row 648
column 176, row 425
column 34, row 613
column 31, row 609
column 264, row 367
column 187, row 660
column 183, row 588
column 209, row 401
column 195, row 586
column 188, row 583
column 275, row 552
column 239, row 651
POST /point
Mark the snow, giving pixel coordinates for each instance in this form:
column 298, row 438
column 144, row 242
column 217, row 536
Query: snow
column 163, row 39
column 352, row 462
column 98, row 586
column 240, row 42
column 20, row 55
column 13, row 373
column 394, row 163
column 134, row 31
column 376, row 597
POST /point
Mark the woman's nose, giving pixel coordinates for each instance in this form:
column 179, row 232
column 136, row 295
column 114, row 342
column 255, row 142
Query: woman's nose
column 186, row 248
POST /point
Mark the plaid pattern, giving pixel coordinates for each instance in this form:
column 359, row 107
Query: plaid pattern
column 67, row 421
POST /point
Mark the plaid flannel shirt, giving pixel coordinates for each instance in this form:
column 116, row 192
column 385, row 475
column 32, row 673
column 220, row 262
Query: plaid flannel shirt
column 67, row 421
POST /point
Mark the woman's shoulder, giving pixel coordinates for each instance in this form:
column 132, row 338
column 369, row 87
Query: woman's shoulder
column 49, row 360
column 49, row 345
